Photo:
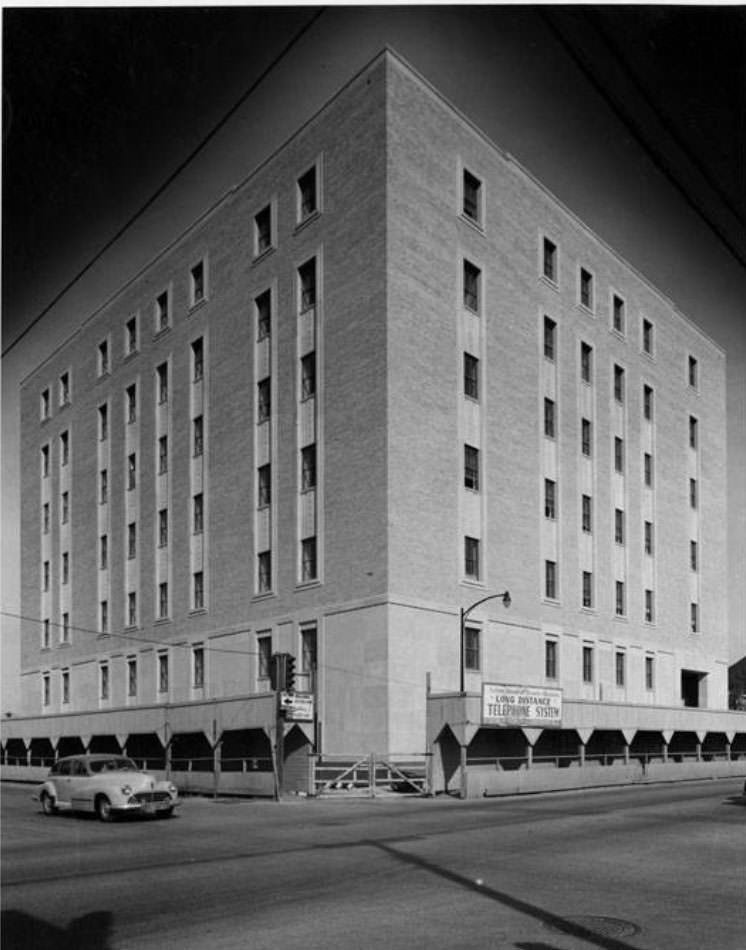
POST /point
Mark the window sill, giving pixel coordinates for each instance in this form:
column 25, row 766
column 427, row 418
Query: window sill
column 620, row 618
column 131, row 355
column 309, row 219
column 263, row 255
column 618, row 334
column 474, row 582
column 588, row 611
column 197, row 611
column 547, row 281
column 477, row 225
column 584, row 308
column 551, row 601
column 160, row 621
column 193, row 307
column 304, row 585
column 103, row 376
column 163, row 331
column 264, row 595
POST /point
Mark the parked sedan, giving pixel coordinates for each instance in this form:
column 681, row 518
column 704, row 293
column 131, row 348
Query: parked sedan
column 108, row 785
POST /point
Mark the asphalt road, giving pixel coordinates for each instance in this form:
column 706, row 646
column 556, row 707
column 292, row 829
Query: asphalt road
column 656, row 868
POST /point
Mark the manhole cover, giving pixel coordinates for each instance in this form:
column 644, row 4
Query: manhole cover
column 603, row 926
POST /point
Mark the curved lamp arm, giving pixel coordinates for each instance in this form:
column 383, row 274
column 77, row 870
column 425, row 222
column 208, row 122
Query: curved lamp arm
column 505, row 597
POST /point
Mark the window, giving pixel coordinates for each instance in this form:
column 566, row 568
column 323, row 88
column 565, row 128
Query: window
column 65, row 628
column 587, row 589
column 161, row 311
column 692, row 432
column 649, row 670
column 619, row 607
column 103, row 358
column 162, row 600
column 647, row 402
column 46, row 692
column 550, row 580
column 649, row 606
column 132, row 609
column 308, row 559
column 131, row 403
column 162, row 672
column 693, row 559
column 647, row 337
column 103, row 422
column 471, row 286
column 647, row 466
column 471, row 467
column 65, row 389
column 65, row 507
column 45, row 405
column 131, row 471
column 308, row 654
column 549, row 260
column 45, row 518
column 131, row 540
column 587, row 514
column 103, row 484
column 64, row 448
column 131, row 336
column 693, row 493
column 471, row 558
column 262, row 231
column 586, row 362
column 197, row 283
column 471, row 648
column 618, row 383
column 198, row 667
column 264, row 656
column 264, row 572
column 586, row 437
column 44, row 461
column 263, row 400
column 163, row 527
column 550, row 337
column 103, row 544
column 550, row 659
column 198, row 588
column 162, row 375
column 472, row 198
column 198, row 513
column 471, row 376
column 586, row 288
column 45, row 576
column 549, row 427
column 307, row 198
column 587, row 664
column 617, row 310
column 308, row 376
column 264, row 486
column 619, row 526
column 163, row 455
column 263, row 309
column 65, row 569
column 198, row 359
column 103, row 680
column 308, row 468
column 694, row 617
column 620, row 663
column 693, row 372
column 131, row 676
column 618, row 455
column 648, row 536
column 197, row 436
column 550, row 499
column 104, row 616
column 65, row 687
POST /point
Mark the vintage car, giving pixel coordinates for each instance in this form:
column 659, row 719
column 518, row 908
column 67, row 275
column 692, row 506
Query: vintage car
column 108, row 785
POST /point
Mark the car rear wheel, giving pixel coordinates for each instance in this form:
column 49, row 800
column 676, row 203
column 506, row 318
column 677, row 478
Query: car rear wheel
column 47, row 804
column 103, row 808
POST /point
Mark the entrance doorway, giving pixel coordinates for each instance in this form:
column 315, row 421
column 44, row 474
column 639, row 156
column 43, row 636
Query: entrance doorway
column 690, row 687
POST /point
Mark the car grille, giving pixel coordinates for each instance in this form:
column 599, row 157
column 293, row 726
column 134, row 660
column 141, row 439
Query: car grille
column 144, row 797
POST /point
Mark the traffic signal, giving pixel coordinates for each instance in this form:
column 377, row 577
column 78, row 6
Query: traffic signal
column 277, row 671
column 289, row 672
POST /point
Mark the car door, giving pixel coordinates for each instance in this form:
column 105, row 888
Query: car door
column 81, row 795
column 61, row 782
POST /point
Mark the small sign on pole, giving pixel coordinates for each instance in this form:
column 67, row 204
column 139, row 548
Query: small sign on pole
column 296, row 707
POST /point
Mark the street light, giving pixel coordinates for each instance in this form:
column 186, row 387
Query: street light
column 505, row 597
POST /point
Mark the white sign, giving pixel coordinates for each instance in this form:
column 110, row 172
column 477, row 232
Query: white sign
column 297, row 707
column 510, row 705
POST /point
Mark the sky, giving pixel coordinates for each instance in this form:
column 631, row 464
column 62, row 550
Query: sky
column 634, row 117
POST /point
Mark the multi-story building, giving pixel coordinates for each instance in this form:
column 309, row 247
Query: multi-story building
column 387, row 376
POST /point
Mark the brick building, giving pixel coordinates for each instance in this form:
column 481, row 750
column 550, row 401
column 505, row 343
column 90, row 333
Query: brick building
column 388, row 375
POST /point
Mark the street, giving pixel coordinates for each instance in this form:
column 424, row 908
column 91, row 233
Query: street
column 654, row 868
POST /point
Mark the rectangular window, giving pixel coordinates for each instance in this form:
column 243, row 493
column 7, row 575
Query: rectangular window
column 618, row 383
column 471, row 286
column 618, row 455
column 197, row 283
column 550, row 580
column 263, row 400
column 549, row 426
column 45, row 576
column 162, row 672
column 587, row 514
column 647, row 337
column 550, row 337
column 693, row 557
column 308, row 468
column 647, row 402
column 65, row 389
column 65, row 507
column 162, row 375
column 131, row 540
column 262, row 230
column 264, row 572
column 131, row 471
column 649, row 606
column 308, row 559
column 65, row 687
column 44, row 461
column 619, row 606
column 163, row 600
column 131, row 336
column 693, row 372
column 307, row 198
column 618, row 317
column 471, row 558
column 198, row 588
column 549, row 260
column 103, row 484
column 264, row 486
column 198, row 359
column 65, row 628
column 65, row 570
column 550, row 499
column 163, row 455
column 586, row 288
column 648, row 537
column 587, row 664
column 103, row 615
column 693, row 493
column 46, row 691
column 620, row 663
column 308, row 652
column 198, row 667
column 104, row 552
column 45, row 518
column 103, row 680
column 161, row 311
column 163, row 527
column 471, row 376
column 619, row 526
column 264, row 656
column 198, row 436
column 471, row 467
column 694, row 617
column 45, row 405
column 132, row 609
column 586, row 437
column 64, row 448
column 586, row 362
column 308, row 376
column 131, row 676
column 103, row 358
column 472, row 198
column 198, row 513
column 649, row 671
column 550, row 659
column 587, row 589
column 263, row 310
column 131, row 403
column 307, row 278
column 471, row 648
column 103, row 422
column 692, row 432
column 647, row 469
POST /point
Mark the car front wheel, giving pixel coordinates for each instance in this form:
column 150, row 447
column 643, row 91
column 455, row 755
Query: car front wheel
column 103, row 808
column 47, row 804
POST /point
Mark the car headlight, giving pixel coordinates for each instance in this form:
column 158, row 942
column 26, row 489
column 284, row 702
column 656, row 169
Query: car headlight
column 126, row 790
column 172, row 790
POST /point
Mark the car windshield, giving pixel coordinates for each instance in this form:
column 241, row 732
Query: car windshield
column 112, row 765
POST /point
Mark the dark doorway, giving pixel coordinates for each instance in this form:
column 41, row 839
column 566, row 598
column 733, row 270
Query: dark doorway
column 690, row 681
